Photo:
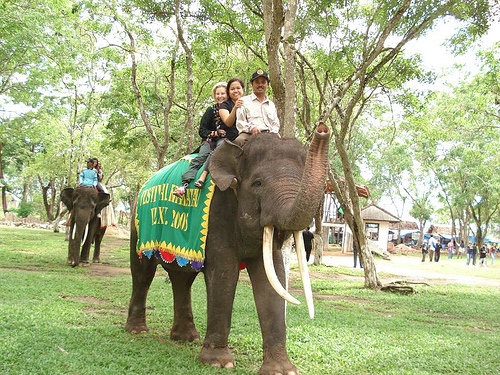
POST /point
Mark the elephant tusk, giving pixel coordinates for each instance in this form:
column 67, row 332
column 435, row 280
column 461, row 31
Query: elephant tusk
column 304, row 272
column 267, row 253
column 74, row 232
column 85, row 234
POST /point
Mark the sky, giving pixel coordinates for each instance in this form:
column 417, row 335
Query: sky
column 438, row 58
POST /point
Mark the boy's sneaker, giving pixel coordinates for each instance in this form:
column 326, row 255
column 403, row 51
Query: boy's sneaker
column 180, row 191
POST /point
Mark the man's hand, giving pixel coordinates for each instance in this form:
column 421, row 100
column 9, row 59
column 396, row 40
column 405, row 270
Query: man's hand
column 255, row 130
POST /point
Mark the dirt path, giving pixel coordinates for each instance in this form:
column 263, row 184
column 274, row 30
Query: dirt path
column 412, row 269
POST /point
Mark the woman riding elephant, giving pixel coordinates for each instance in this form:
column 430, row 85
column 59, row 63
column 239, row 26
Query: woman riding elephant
column 267, row 190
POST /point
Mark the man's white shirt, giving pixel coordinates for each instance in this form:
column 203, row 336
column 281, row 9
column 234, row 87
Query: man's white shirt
column 254, row 113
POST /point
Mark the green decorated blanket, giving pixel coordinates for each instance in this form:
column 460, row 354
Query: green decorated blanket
column 172, row 228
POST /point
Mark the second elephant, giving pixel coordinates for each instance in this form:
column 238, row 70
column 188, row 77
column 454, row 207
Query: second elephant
column 85, row 205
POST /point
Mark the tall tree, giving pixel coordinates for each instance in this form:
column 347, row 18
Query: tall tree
column 362, row 58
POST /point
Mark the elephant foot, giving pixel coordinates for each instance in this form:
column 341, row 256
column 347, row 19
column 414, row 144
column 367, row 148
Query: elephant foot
column 136, row 328
column 217, row 357
column 72, row 263
column 278, row 365
column 187, row 334
column 96, row 260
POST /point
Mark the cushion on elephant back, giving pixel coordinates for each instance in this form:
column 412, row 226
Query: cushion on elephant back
column 169, row 227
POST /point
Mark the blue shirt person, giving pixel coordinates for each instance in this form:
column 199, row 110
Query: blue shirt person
column 88, row 177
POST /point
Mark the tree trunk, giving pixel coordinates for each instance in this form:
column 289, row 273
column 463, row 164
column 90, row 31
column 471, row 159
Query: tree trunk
column 273, row 23
column 352, row 214
column 58, row 218
column 4, row 189
column 319, row 244
column 26, row 191
column 288, row 130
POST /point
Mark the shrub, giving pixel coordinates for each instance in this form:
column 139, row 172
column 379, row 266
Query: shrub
column 25, row 209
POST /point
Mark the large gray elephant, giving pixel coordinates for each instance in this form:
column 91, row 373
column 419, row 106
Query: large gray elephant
column 266, row 191
column 85, row 204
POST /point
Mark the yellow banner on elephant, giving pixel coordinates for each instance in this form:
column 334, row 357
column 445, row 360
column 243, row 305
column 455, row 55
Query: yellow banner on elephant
column 169, row 227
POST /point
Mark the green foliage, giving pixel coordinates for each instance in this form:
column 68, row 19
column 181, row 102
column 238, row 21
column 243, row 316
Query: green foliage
column 70, row 63
column 25, row 209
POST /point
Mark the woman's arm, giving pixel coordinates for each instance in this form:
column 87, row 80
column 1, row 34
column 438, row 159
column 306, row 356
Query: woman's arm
column 229, row 118
column 207, row 124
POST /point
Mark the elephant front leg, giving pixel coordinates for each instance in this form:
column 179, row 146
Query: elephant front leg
column 183, row 328
column 88, row 236
column 73, row 246
column 271, row 312
column 221, row 287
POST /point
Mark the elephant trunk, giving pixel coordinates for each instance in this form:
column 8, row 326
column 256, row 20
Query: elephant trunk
column 304, row 205
column 312, row 185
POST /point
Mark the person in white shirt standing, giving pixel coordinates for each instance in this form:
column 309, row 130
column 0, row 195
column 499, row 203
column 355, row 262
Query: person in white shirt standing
column 258, row 112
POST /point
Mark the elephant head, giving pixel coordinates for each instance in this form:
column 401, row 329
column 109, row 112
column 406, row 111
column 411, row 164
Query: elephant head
column 85, row 204
column 280, row 186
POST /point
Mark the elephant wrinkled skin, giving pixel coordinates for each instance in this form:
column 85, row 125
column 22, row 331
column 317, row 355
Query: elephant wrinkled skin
column 279, row 183
column 85, row 226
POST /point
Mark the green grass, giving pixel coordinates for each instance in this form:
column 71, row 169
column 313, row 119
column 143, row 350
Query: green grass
column 59, row 320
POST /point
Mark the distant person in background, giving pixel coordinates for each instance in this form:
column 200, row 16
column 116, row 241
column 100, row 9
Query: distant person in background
column 432, row 247
column 470, row 253
column 461, row 249
column 482, row 255
column 437, row 253
column 493, row 253
column 356, row 257
column 424, row 250
column 451, row 249
column 474, row 253
column 308, row 237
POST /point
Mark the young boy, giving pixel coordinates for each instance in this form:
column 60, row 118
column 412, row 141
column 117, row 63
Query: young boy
column 88, row 177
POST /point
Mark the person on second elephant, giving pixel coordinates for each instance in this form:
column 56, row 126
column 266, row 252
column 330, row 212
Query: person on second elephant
column 208, row 131
column 98, row 168
column 258, row 112
column 88, row 176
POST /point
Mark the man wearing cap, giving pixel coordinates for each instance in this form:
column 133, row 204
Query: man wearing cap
column 258, row 112
column 88, row 177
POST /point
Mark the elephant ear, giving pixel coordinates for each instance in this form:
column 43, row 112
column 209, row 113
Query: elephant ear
column 224, row 164
column 67, row 198
column 102, row 201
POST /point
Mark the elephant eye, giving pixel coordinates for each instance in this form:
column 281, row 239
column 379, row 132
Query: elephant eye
column 256, row 183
